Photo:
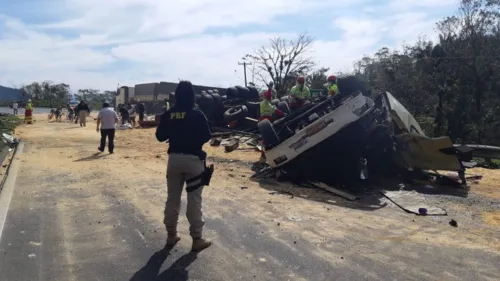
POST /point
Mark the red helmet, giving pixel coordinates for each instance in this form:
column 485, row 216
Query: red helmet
column 267, row 95
column 301, row 80
column 332, row 78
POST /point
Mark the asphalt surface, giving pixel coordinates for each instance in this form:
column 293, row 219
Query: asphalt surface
column 84, row 225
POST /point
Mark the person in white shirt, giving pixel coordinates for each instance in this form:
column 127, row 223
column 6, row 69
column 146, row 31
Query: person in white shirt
column 15, row 107
column 107, row 120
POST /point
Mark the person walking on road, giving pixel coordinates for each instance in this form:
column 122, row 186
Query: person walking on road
column 15, row 107
column 83, row 111
column 187, row 130
column 107, row 120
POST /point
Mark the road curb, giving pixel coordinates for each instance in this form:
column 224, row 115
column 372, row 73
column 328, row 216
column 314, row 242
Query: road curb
column 7, row 185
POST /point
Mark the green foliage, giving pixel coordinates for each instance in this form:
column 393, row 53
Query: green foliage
column 48, row 94
column 452, row 86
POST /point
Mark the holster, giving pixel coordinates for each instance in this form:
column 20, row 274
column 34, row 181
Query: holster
column 206, row 176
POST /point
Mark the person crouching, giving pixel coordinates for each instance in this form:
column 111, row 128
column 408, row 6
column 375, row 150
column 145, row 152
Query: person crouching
column 269, row 112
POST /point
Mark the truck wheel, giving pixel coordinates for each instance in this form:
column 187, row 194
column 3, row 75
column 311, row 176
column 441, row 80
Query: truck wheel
column 243, row 93
column 231, row 93
column 268, row 133
column 275, row 101
column 253, row 94
column 217, row 99
column 283, row 106
column 234, row 114
column 253, row 109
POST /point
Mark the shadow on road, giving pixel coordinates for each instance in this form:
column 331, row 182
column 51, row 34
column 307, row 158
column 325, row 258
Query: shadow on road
column 176, row 272
column 94, row 156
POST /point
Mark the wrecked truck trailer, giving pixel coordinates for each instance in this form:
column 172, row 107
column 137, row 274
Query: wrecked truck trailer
column 346, row 138
column 323, row 142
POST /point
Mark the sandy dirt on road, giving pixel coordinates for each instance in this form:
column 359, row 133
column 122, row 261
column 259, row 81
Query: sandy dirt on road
column 139, row 165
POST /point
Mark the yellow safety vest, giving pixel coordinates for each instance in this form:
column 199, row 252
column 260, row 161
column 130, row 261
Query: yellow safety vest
column 266, row 108
column 29, row 106
column 333, row 90
column 301, row 94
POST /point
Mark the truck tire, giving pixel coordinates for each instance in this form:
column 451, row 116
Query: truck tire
column 243, row 92
column 210, row 92
column 253, row 109
column 217, row 99
column 224, row 98
column 285, row 98
column 234, row 114
column 207, row 105
column 283, row 106
column 268, row 133
column 215, row 91
column 253, row 94
column 231, row 93
column 275, row 102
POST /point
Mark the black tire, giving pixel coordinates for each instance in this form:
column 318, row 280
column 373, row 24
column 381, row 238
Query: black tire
column 224, row 98
column 253, row 94
column 275, row 101
column 217, row 99
column 210, row 92
column 283, row 106
column 215, row 91
column 234, row 114
column 207, row 105
column 243, row 93
column 285, row 98
column 268, row 133
column 253, row 109
column 232, row 93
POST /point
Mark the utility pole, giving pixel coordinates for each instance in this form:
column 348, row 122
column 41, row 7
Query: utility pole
column 244, row 63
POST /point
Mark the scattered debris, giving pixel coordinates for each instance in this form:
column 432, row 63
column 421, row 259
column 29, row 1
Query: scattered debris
column 215, row 142
column 453, row 223
column 333, row 190
column 412, row 202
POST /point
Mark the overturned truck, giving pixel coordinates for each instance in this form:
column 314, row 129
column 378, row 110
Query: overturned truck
column 344, row 138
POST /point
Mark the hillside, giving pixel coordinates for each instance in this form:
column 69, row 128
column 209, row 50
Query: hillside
column 9, row 94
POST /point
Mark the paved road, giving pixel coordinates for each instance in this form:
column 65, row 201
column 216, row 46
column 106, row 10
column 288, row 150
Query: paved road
column 76, row 216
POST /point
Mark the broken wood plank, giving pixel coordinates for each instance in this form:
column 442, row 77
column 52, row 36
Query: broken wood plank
column 335, row 191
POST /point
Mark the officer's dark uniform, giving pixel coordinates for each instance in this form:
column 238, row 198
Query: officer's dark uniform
column 187, row 130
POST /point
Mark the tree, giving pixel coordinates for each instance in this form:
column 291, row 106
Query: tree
column 283, row 60
column 451, row 86
column 318, row 78
column 47, row 93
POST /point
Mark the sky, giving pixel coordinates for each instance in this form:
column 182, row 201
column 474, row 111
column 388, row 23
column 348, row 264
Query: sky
column 100, row 44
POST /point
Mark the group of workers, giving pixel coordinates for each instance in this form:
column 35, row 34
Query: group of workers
column 299, row 96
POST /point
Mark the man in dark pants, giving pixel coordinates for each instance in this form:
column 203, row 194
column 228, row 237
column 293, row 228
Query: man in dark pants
column 186, row 129
column 107, row 119
column 141, row 110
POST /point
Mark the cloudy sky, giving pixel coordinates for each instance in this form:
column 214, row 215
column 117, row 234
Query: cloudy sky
column 97, row 44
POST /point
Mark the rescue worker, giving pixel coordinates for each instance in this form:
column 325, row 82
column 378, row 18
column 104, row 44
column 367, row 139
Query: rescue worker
column 300, row 93
column 187, row 130
column 167, row 104
column 270, row 88
column 28, row 112
column 331, row 85
column 268, row 111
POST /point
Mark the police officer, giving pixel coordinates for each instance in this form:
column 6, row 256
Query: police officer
column 187, row 130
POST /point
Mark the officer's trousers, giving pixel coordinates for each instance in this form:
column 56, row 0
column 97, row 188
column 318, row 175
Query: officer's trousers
column 184, row 168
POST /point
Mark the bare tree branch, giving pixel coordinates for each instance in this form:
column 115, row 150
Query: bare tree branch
column 284, row 59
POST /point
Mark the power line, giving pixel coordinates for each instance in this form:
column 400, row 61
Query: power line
column 245, row 70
